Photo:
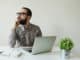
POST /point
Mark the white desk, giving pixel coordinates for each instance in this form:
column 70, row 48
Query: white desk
column 55, row 55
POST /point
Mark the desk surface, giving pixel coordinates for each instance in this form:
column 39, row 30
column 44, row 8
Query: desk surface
column 55, row 55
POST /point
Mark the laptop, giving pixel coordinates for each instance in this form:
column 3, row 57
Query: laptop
column 41, row 45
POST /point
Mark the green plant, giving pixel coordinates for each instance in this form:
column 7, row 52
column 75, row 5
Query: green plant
column 66, row 44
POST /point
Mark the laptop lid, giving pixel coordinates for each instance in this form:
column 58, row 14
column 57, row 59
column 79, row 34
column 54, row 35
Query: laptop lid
column 43, row 44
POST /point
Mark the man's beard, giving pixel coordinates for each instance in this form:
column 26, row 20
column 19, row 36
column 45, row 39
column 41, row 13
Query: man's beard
column 23, row 22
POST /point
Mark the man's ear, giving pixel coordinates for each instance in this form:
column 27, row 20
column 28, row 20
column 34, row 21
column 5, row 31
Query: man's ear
column 28, row 18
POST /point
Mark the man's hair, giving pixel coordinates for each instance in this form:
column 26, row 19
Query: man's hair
column 29, row 12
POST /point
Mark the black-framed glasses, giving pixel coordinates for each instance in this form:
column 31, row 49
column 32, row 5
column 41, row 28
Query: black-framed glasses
column 21, row 13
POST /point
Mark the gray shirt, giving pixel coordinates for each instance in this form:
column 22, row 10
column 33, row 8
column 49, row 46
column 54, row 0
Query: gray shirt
column 23, row 36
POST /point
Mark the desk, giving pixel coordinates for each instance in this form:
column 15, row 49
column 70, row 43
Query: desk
column 55, row 55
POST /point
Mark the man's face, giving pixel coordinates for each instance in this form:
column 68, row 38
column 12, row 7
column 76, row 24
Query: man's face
column 22, row 16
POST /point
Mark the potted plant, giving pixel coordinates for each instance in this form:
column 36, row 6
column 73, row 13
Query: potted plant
column 66, row 45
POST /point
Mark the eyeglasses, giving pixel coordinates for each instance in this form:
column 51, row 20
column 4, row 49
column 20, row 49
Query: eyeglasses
column 21, row 13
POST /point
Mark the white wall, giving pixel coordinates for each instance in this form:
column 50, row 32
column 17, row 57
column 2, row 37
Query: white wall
column 68, row 21
column 43, row 15
column 55, row 17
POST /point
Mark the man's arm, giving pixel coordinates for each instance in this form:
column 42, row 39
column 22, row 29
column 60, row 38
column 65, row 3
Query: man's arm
column 21, row 34
column 39, row 33
column 13, row 38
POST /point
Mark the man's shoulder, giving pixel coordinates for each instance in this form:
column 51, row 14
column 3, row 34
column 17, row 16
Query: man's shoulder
column 37, row 30
column 35, row 26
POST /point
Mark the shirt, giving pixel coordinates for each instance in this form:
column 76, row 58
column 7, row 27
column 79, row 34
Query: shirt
column 23, row 36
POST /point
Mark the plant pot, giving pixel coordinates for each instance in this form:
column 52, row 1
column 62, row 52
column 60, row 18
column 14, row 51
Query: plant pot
column 65, row 55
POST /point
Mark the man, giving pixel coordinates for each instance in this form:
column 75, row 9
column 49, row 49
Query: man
column 24, row 33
